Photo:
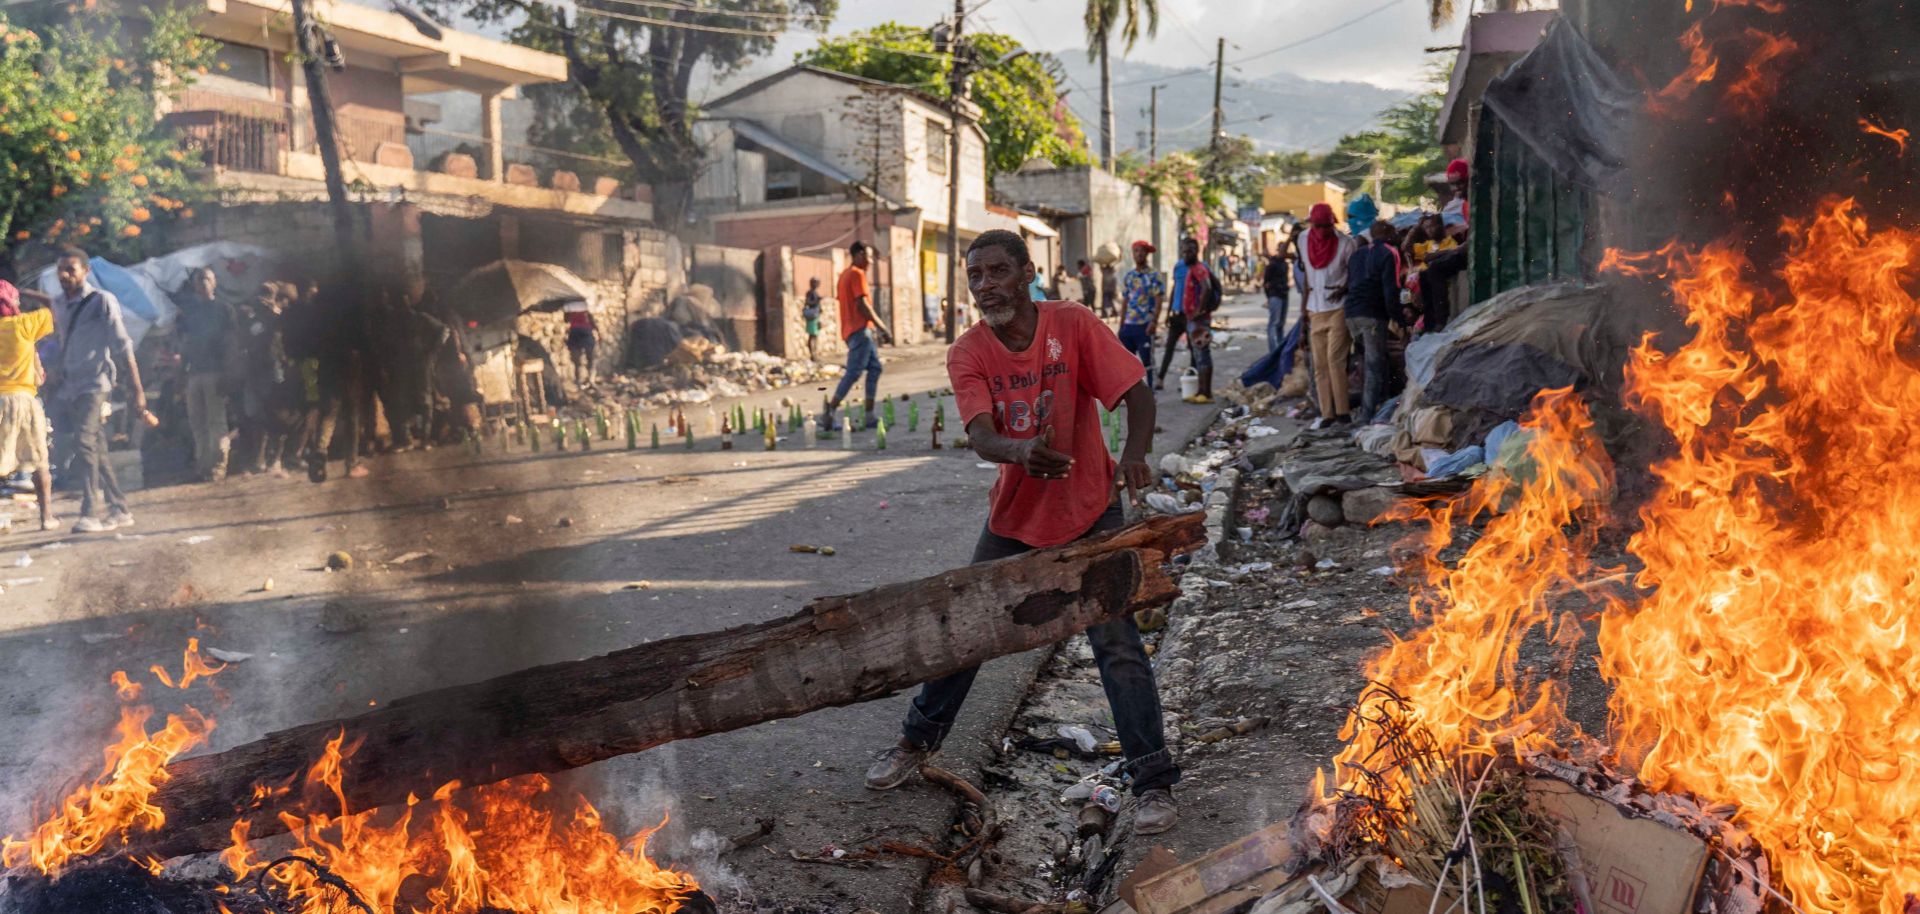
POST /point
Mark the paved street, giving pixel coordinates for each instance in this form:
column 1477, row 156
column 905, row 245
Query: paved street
column 527, row 561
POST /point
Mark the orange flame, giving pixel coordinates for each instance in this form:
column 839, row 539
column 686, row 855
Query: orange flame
column 1898, row 136
column 510, row 846
column 1750, row 92
column 127, row 689
column 1777, row 664
column 192, row 667
column 1461, row 675
column 99, row 815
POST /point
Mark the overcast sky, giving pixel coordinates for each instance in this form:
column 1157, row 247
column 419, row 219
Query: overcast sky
column 1384, row 48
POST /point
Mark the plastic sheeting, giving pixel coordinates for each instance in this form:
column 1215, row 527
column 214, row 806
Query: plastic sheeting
column 1569, row 107
column 145, row 289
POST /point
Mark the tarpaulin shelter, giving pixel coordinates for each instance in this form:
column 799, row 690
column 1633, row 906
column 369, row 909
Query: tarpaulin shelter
column 1547, row 143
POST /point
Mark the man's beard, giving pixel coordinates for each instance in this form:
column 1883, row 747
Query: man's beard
column 999, row 317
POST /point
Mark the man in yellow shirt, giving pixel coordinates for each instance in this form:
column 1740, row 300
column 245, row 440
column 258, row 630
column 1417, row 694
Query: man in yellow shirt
column 23, row 420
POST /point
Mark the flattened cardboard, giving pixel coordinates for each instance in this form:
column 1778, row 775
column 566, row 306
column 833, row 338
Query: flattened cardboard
column 1183, row 888
column 1635, row 866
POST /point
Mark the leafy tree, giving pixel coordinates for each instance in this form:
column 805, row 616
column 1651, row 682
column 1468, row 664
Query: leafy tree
column 1405, row 146
column 1023, row 118
column 82, row 159
column 1103, row 17
column 635, row 63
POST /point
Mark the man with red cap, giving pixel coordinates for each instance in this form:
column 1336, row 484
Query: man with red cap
column 23, row 420
column 1324, row 266
column 1142, row 289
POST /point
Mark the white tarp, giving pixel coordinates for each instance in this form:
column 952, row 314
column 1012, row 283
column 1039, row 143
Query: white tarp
column 145, row 289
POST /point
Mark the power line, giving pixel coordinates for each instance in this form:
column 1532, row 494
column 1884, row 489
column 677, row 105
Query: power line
column 681, row 7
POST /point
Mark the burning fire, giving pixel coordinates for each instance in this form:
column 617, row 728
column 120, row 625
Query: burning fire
column 1774, row 664
column 512, row 846
column 1461, row 674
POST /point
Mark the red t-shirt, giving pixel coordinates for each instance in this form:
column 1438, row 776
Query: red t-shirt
column 1074, row 360
column 853, row 285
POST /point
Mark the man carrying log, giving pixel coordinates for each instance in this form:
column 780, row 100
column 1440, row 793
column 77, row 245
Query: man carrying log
column 1026, row 379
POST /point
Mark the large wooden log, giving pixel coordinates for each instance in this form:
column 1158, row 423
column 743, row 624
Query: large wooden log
column 836, row 651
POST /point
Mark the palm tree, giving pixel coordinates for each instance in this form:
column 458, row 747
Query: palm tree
column 1103, row 16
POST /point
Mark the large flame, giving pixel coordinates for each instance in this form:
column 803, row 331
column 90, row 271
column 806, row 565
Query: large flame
column 1460, row 677
column 1775, row 666
column 511, row 846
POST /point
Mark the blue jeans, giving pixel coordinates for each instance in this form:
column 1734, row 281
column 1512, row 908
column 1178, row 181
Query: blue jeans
column 1125, row 673
column 863, row 357
column 1134, row 337
column 1276, row 321
column 1370, row 337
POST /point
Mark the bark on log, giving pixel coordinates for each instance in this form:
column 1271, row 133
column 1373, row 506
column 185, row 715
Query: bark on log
column 836, row 651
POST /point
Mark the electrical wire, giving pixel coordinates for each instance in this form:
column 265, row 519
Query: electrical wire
column 682, row 7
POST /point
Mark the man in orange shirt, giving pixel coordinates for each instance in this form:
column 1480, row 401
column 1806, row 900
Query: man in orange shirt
column 23, row 420
column 858, row 324
column 1026, row 379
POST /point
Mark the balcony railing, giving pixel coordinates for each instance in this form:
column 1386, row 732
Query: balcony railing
column 248, row 134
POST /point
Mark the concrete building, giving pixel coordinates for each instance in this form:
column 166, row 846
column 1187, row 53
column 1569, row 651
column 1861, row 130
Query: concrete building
column 814, row 159
column 430, row 223
column 1092, row 208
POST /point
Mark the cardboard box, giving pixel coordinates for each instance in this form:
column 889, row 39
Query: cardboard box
column 1633, row 865
column 1186, row 887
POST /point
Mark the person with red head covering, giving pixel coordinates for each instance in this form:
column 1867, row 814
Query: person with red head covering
column 1455, row 215
column 23, row 420
column 1324, row 265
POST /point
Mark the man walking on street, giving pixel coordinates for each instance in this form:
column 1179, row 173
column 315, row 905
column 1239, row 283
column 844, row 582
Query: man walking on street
column 23, row 420
column 1324, row 267
column 1108, row 293
column 1199, row 298
column 1086, row 284
column 1276, row 281
column 1144, row 290
column 858, row 324
column 1373, row 290
column 1026, row 379
column 810, row 313
column 208, row 341
column 92, row 337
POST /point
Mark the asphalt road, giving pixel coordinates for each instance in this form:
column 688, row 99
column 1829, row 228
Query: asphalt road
column 528, row 558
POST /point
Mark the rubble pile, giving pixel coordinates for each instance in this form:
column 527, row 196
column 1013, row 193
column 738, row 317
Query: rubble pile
column 700, row 371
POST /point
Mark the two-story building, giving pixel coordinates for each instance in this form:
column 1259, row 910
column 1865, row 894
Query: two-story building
column 479, row 199
column 814, row 159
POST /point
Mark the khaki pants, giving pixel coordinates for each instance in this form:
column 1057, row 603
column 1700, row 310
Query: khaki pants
column 1331, row 347
column 207, row 414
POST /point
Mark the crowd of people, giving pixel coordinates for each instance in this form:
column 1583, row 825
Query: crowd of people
column 1366, row 292
column 295, row 376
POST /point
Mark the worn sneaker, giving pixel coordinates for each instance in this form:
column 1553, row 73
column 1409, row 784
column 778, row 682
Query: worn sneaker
column 120, row 517
column 1154, row 812
column 893, row 766
column 91, row 525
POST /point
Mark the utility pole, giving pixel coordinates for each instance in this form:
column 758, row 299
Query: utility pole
column 1153, row 126
column 1219, row 75
column 956, row 97
column 320, row 100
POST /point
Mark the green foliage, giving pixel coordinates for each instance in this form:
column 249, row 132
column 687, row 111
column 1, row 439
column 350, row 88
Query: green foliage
column 1024, row 116
column 1405, row 144
column 82, row 159
column 1179, row 180
column 638, row 71
column 1129, row 15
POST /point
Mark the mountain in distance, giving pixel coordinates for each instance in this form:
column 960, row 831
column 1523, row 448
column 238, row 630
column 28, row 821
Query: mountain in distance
column 1302, row 113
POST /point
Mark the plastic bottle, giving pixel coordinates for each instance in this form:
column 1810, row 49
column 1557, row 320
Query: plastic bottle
column 810, row 430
